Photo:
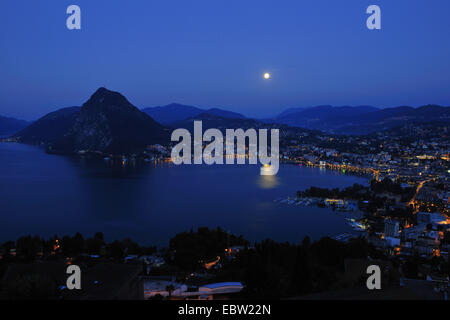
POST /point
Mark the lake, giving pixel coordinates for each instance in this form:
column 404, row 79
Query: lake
column 50, row 194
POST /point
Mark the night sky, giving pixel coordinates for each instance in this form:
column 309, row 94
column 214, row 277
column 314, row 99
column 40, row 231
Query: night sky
column 213, row 53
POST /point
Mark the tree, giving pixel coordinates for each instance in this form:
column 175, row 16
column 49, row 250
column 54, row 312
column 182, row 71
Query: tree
column 32, row 286
column 116, row 251
column 94, row 245
column 411, row 267
column 78, row 243
column 28, row 247
column 302, row 280
column 170, row 288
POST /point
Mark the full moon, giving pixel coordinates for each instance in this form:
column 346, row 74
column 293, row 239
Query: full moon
column 266, row 75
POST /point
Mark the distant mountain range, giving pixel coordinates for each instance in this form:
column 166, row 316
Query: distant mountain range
column 222, row 123
column 347, row 120
column 287, row 133
column 362, row 119
column 107, row 122
column 174, row 112
column 9, row 126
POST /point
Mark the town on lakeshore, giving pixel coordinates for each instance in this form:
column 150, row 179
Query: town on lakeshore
column 399, row 218
column 217, row 159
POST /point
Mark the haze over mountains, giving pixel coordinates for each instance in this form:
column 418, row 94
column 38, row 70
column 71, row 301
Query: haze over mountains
column 109, row 122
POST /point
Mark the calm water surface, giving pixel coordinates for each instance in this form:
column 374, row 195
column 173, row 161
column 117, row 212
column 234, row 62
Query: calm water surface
column 48, row 194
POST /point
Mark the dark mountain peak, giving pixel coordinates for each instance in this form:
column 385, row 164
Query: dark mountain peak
column 103, row 93
column 107, row 98
column 101, row 90
column 109, row 122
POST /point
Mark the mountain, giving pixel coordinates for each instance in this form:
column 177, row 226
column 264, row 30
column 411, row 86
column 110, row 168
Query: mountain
column 288, row 135
column 389, row 118
column 320, row 117
column 108, row 122
column 172, row 112
column 362, row 119
column 175, row 112
column 414, row 131
column 9, row 126
column 291, row 111
column 217, row 122
column 50, row 128
column 224, row 113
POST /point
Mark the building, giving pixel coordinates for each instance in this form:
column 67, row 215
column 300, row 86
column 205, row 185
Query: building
column 392, row 242
column 154, row 286
column 423, row 218
column 391, row 228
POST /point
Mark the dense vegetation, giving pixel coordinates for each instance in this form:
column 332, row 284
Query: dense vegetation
column 276, row 270
column 359, row 192
column 268, row 269
column 188, row 248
